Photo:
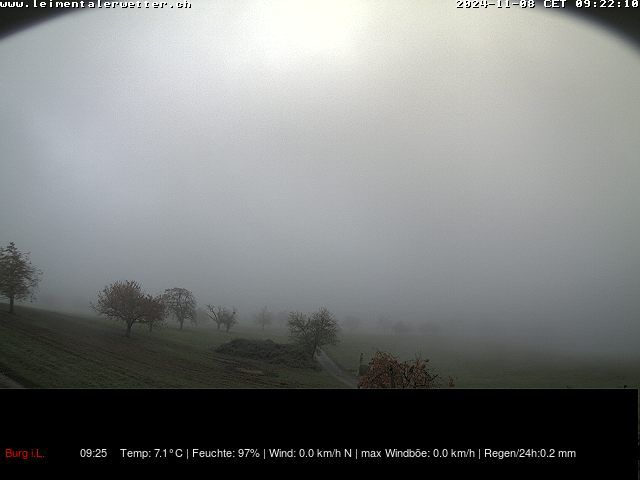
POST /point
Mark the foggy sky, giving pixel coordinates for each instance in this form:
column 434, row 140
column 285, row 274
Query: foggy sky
column 394, row 158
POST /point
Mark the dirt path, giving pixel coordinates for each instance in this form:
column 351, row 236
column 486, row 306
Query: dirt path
column 335, row 371
column 6, row 382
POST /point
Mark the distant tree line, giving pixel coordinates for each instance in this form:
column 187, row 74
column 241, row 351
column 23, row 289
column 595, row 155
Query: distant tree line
column 128, row 302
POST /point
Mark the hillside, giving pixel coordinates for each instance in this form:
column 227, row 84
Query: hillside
column 45, row 349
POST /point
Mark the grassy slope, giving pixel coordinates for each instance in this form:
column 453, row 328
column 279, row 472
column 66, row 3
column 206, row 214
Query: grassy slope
column 40, row 348
column 478, row 364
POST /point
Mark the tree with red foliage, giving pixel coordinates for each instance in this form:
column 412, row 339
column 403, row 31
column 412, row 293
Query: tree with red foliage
column 385, row 371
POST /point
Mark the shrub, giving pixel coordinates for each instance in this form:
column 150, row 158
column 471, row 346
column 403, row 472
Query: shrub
column 385, row 371
column 268, row 351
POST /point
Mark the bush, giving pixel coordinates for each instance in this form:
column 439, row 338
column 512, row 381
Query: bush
column 385, row 371
column 268, row 351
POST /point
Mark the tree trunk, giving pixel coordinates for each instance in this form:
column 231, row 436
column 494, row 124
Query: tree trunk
column 11, row 304
column 181, row 322
column 150, row 326
column 228, row 326
column 128, row 334
column 218, row 326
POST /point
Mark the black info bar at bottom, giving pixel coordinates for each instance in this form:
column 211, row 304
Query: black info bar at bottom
column 568, row 431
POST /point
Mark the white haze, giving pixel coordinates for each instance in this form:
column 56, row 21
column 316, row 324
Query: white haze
column 476, row 169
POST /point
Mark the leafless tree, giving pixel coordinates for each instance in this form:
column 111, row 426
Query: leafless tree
column 18, row 278
column 222, row 316
column 264, row 317
column 229, row 319
column 181, row 303
column 155, row 311
column 215, row 314
column 314, row 330
column 126, row 301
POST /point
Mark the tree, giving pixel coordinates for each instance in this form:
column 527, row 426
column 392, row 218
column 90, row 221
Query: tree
column 222, row 316
column 181, row 303
column 314, row 330
column 126, row 301
column 155, row 311
column 229, row 318
column 18, row 278
column 264, row 317
column 385, row 371
column 215, row 315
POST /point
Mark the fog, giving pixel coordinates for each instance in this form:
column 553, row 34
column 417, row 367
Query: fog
column 475, row 169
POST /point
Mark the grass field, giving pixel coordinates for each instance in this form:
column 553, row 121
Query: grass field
column 41, row 348
column 476, row 363
column 44, row 349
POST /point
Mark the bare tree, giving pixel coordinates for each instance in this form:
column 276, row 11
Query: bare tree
column 126, row 301
column 18, row 278
column 229, row 318
column 155, row 311
column 314, row 330
column 181, row 303
column 215, row 314
column 264, row 317
column 222, row 316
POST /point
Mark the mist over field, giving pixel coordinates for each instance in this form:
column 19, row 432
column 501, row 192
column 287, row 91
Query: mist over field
column 477, row 171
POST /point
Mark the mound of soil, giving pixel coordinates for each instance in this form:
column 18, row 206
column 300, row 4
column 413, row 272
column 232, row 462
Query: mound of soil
column 268, row 351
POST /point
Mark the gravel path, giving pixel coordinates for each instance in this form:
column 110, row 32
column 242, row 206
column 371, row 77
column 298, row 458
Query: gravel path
column 335, row 371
